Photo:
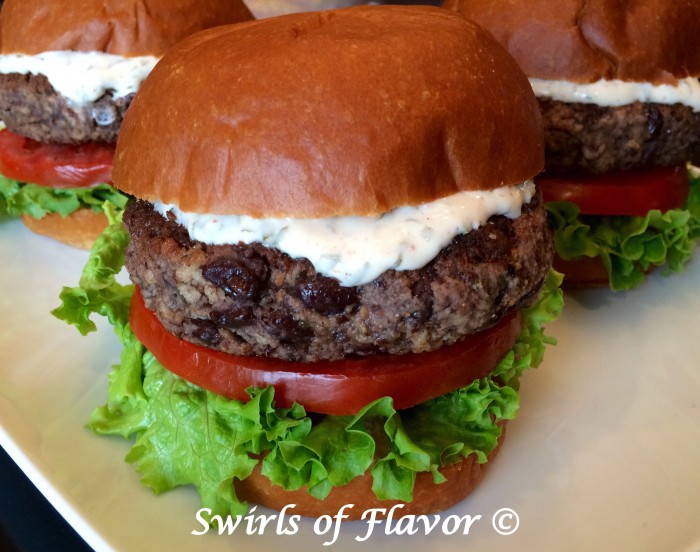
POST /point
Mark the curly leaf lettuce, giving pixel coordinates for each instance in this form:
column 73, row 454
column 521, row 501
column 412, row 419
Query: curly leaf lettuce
column 98, row 290
column 18, row 198
column 184, row 435
column 4, row 213
column 629, row 246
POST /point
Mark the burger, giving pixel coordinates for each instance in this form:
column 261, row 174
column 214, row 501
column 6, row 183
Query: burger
column 340, row 271
column 68, row 72
column 617, row 84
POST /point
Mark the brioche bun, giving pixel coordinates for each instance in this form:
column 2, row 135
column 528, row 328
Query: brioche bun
column 582, row 273
column 287, row 132
column 79, row 229
column 123, row 27
column 646, row 40
column 428, row 497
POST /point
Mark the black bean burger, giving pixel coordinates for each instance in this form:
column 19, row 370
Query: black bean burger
column 68, row 72
column 341, row 268
column 617, row 84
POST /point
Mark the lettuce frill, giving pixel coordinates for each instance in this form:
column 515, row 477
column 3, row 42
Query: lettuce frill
column 17, row 198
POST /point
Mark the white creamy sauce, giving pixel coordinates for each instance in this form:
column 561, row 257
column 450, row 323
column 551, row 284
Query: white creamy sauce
column 617, row 92
column 356, row 250
column 83, row 77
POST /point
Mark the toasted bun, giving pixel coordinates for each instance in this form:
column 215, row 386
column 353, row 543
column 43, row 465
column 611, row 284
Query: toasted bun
column 428, row 497
column 585, row 41
column 79, row 229
column 583, row 273
column 348, row 112
column 123, row 27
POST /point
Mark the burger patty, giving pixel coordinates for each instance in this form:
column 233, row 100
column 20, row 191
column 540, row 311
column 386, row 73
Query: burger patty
column 255, row 300
column 31, row 107
column 595, row 139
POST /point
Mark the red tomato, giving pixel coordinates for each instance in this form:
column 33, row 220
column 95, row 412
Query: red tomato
column 330, row 387
column 626, row 193
column 55, row 165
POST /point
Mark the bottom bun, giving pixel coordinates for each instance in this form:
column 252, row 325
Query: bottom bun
column 79, row 229
column 583, row 273
column 462, row 479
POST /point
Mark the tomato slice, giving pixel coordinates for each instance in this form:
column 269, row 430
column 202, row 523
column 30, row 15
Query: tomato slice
column 55, row 165
column 340, row 387
column 625, row 193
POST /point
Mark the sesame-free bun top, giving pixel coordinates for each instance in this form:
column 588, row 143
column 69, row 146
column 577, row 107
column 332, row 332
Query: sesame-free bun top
column 587, row 40
column 347, row 112
column 123, row 27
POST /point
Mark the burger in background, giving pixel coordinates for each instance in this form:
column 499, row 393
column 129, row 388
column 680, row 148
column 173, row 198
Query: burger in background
column 68, row 72
column 341, row 271
column 617, row 83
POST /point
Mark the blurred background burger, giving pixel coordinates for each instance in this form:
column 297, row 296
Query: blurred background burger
column 617, row 83
column 68, row 72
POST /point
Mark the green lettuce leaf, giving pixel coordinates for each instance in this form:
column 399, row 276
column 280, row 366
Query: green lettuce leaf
column 4, row 213
column 98, row 291
column 629, row 246
column 184, row 435
column 18, row 198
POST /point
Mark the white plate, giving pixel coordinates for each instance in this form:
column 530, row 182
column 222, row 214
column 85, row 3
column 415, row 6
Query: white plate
column 604, row 455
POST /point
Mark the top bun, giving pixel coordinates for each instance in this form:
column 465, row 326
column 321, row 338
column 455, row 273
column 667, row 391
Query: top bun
column 348, row 112
column 122, row 27
column 584, row 41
